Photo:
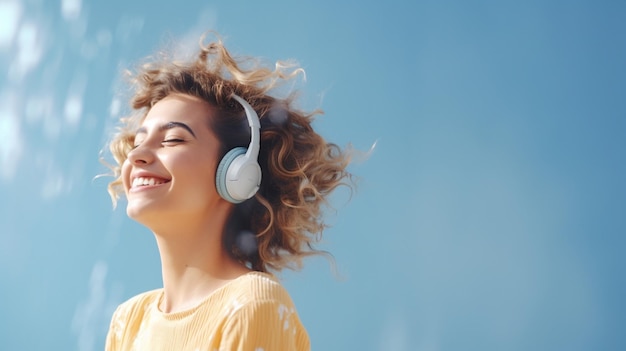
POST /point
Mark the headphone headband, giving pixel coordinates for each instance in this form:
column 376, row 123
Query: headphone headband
column 255, row 126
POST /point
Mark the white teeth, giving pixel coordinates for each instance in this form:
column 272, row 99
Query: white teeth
column 145, row 181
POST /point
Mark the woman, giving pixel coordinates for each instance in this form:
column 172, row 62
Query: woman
column 231, row 181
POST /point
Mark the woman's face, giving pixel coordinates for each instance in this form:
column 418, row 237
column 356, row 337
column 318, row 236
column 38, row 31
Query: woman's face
column 171, row 170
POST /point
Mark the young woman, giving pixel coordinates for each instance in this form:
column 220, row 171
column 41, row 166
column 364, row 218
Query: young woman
column 231, row 181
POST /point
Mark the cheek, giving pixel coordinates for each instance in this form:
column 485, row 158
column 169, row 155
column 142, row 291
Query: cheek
column 197, row 175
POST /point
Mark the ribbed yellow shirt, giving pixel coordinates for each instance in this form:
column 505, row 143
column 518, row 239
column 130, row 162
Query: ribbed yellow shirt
column 253, row 313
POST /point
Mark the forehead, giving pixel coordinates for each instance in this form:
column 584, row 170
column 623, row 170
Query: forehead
column 179, row 108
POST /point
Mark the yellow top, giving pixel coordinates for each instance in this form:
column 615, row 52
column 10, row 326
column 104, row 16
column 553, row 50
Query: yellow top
column 253, row 312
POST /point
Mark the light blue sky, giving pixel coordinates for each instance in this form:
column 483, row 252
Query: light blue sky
column 490, row 215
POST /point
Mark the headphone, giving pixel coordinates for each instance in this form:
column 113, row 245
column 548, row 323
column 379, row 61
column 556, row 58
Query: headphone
column 238, row 175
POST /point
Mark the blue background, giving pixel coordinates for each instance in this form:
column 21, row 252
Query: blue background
column 489, row 216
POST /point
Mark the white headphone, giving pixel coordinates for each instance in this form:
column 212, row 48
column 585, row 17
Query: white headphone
column 238, row 175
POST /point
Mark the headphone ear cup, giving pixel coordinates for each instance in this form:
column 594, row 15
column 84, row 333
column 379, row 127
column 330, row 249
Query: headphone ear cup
column 221, row 175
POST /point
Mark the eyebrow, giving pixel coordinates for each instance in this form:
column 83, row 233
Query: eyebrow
column 168, row 125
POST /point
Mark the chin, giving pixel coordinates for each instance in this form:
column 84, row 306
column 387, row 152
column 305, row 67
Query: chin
column 143, row 213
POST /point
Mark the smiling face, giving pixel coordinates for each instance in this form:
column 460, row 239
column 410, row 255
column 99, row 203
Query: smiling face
column 171, row 171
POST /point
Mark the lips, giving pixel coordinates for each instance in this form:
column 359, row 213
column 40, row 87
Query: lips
column 141, row 181
column 146, row 181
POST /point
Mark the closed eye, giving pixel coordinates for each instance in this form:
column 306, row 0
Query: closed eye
column 136, row 144
column 173, row 141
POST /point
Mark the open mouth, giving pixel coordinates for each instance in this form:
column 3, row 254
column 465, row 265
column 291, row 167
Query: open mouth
column 148, row 181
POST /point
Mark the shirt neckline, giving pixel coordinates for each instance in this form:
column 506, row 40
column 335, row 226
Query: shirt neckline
column 219, row 291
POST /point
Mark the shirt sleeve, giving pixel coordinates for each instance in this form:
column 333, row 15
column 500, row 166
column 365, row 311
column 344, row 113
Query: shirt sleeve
column 114, row 334
column 124, row 318
column 264, row 326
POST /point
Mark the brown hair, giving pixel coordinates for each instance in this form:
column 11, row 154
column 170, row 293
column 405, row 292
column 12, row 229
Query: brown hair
column 300, row 169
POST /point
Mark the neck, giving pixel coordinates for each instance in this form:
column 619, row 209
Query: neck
column 194, row 264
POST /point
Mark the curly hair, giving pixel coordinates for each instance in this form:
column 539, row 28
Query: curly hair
column 300, row 169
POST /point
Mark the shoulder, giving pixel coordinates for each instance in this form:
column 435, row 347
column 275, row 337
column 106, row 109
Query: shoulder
column 142, row 299
column 137, row 304
column 258, row 286
column 128, row 315
column 252, row 290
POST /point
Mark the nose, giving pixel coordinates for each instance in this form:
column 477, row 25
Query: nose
column 141, row 154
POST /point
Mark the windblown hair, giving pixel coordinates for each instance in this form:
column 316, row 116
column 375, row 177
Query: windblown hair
column 300, row 169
